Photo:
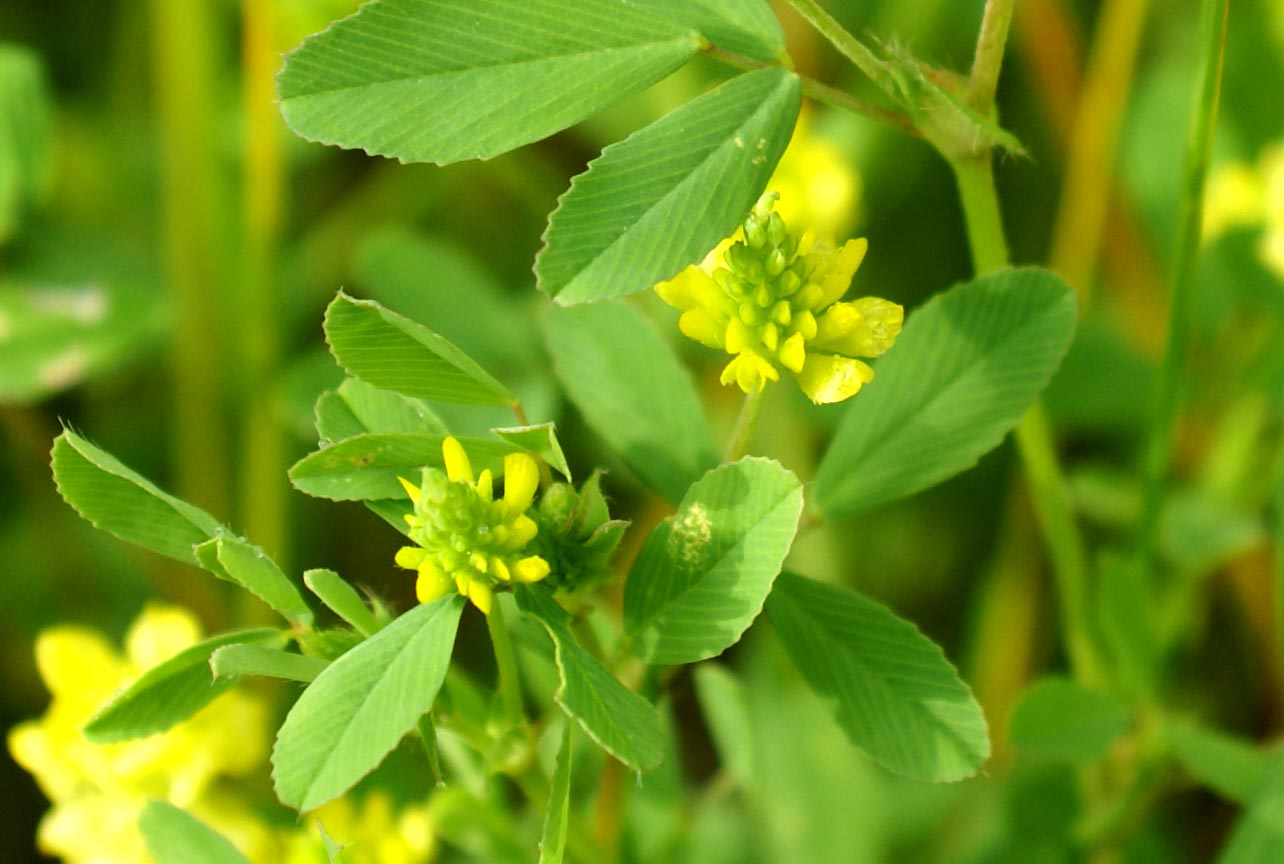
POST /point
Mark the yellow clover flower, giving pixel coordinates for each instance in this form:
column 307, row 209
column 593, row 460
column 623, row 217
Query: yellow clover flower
column 465, row 538
column 1240, row 196
column 98, row 791
column 375, row 831
column 776, row 303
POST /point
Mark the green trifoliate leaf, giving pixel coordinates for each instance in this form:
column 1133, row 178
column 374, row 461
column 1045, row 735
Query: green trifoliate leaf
column 390, row 351
column 357, row 710
column 240, row 660
column 357, row 407
column 1063, row 721
column 626, row 381
column 703, row 574
column 125, row 504
column 895, row 695
column 447, row 80
column 366, row 467
column 540, row 439
column 666, row 195
column 552, row 843
column 168, row 693
column 177, row 837
column 966, row 367
column 620, row 721
column 342, row 599
column 246, row 565
column 744, row 26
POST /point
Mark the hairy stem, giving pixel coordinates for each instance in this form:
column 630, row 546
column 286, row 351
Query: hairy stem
column 848, row 45
column 988, row 60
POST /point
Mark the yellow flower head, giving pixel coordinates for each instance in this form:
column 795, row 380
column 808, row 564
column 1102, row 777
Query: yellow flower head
column 774, row 302
column 98, row 791
column 465, row 538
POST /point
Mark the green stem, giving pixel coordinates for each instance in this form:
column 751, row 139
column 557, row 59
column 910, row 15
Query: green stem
column 183, row 41
column 263, row 490
column 745, row 425
column 848, row 45
column 987, row 62
column 510, row 690
column 1199, row 145
column 821, row 92
column 975, row 177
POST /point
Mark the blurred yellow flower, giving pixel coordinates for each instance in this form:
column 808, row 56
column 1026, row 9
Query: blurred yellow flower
column 772, row 299
column 1241, row 195
column 816, row 183
column 372, row 832
column 97, row 791
column 466, row 540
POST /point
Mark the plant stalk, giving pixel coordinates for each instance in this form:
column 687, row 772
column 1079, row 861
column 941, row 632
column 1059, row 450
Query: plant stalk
column 747, row 422
column 848, row 45
column 510, row 689
column 988, row 60
column 1199, row 146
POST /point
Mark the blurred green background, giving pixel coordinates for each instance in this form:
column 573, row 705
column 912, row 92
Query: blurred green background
column 167, row 248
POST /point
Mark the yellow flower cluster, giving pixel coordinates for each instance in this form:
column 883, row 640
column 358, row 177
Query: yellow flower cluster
column 98, row 791
column 772, row 299
column 466, row 540
column 1240, row 195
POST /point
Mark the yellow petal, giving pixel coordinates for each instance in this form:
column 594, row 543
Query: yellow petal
column 750, row 372
column 739, row 337
column 793, row 353
column 409, row 557
column 836, row 268
column 481, row 595
column 411, row 489
column 458, row 468
column 499, row 569
column 837, row 321
column 827, row 379
column 486, row 484
column 521, row 531
column 699, row 325
column 530, row 569
column 681, row 291
column 159, row 633
column 521, row 479
column 71, row 658
column 876, row 330
column 432, row 583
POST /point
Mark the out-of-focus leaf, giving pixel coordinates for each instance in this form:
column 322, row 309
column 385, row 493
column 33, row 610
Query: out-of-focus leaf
column 969, row 363
column 632, row 390
column 357, row 710
column 726, row 710
column 1259, row 836
column 1064, row 721
column 24, row 135
column 552, row 842
column 667, row 194
column 392, row 352
column 896, row 696
column 1232, row 767
column 703, row 574
column 447, row 80
column 177, row 837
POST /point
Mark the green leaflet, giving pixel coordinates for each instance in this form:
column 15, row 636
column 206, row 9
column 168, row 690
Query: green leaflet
column 357, row 710
column 960, row 376
column 667, row 194
column 125, row 504
column 241, row 660
column 895, row 694
column 1064, row 721
column 620, row 721
column 24, row 135
column 552, row 841
column 540, row 439
column 703, row 574
column 247, row 566
column 626, row 381
column 1259, row 836
column 357, row 407
column 447, row 80
column 366, row 467
column 168, row 693
column 744, row 26
column 177, row 837
column 392, row 352
column 342, row 599
column 1234, row 768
